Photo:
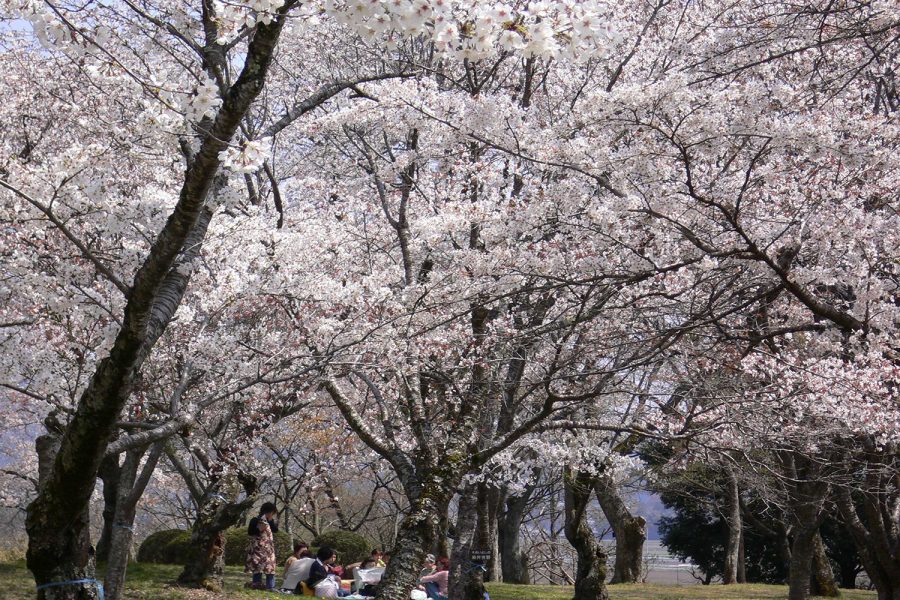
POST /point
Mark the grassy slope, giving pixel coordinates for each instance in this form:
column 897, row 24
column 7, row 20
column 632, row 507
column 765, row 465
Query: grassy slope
column 154, row 582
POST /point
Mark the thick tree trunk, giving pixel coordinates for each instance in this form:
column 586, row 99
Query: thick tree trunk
column 205, row 567
column 58, row 546
column 735, row 529
column 590, row 575
column 72, row 576
column 822, row 583
column 466, row 577
column 494, row 499
column 418, row 531
column 807, row 491
column 442, row 545
column 109, row 475
column 630, row 531
column 800, row 575
column 512, row 559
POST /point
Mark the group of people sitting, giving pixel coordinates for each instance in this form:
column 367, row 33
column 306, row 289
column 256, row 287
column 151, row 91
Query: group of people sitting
column 320, row 575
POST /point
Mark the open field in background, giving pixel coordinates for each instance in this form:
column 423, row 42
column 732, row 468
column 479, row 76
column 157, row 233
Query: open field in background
column 154, row 582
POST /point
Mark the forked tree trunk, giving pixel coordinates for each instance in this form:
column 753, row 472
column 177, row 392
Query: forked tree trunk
column 590, row 572
column 630, row 531
column 131, row 488
column 877, row 539
column 205, row 567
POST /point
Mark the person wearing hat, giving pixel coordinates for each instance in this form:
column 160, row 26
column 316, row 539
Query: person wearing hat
column 428, row 569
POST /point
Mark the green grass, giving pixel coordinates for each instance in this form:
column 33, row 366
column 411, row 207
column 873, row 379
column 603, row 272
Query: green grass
column 156, row 582
column 647, row 591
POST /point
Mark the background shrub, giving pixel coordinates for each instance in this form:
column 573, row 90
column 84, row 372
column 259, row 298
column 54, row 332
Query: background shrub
column 351, row 547
column 237, row 540
column 170, row 546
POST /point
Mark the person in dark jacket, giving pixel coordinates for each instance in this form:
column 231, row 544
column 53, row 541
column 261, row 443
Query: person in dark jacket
column 320, row 569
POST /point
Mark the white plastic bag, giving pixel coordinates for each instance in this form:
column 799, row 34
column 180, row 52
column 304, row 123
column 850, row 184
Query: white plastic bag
column 327, row 588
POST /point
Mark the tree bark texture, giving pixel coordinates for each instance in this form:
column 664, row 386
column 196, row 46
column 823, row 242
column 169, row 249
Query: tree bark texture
column 735, row 528
column 81, row 566
column 130, row 489
column 418, row 531
column 205, row 567
column 467, row 578
column 630, row 531
column 806, row 496
column 57, row 519
column 513, row 563
column 823, row 583
column 876, row 531
column 489, row 499
column 109, row 475
column 590, row 573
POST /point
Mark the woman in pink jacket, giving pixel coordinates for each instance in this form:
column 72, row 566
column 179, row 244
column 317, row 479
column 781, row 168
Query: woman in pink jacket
column 436, row 584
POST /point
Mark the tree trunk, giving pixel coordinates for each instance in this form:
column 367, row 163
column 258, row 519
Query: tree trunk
column 877, row 539
column 130, row 489
column 800, row 575
column 513, row 565
column 466, row 577
column 61, row 558
column 123, row 522
column 205, row 567
column 590, row 574
column 735, row 527
column 487, row 530
column 630, row 531
column 109, row 475
column 442, row 545
column 742, row 561
column 822, row 583
column 418, row 531
column 807, row 492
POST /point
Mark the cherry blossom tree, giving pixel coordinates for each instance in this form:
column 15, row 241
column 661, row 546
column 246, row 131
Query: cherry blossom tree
column 502, row 217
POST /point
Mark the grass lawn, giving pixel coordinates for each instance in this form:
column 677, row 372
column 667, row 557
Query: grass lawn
column 155, row 582
column 649, row 591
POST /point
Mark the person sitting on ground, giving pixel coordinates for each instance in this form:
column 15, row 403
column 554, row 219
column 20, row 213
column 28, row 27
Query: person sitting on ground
column 319, row 570
column 436, row 584
column 428, row 569
column 367, row 588
column 296, row 569
column 378, row 557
